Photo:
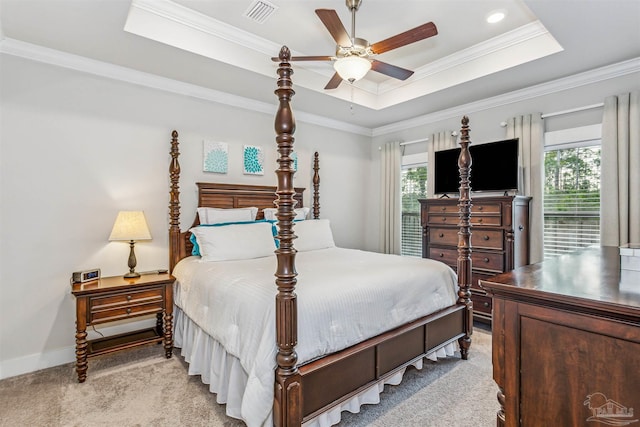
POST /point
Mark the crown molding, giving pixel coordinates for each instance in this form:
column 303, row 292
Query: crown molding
column 75, row 62
column 588, row 77
column 58, row 58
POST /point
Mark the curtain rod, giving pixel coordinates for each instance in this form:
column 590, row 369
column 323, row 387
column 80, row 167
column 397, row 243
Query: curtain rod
column 414, row 141
column 573, row 110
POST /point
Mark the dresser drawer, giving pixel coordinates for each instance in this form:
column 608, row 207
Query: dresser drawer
column 485, row 208
column 487, row 261
column 488, row 220
column 444, row 236
column 485, row 239
column 443, row 219
column 449, row 208
column 448, row 256
column 481, row 303
column 122, row 305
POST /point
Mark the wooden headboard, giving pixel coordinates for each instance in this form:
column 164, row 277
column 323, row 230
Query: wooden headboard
column 226, row 196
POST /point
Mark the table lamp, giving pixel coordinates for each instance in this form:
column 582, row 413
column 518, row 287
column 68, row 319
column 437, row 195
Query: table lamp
column 130, row 226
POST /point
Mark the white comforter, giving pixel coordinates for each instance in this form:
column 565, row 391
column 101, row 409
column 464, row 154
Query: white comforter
column 344, row 297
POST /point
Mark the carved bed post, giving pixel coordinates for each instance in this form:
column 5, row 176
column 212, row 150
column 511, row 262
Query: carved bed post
column 316, row 186
column 464, row 238
column 174, row 203
column 287, row 403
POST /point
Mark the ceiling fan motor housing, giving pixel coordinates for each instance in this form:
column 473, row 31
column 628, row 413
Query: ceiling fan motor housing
column 359, row 47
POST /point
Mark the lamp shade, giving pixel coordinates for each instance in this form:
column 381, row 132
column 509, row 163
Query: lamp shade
column 352, row 68
column 130, row 225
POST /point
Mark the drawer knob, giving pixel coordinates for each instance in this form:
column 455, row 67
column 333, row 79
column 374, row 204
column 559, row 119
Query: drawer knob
column 444, row 219
column 441, row 255
column 486, row 238
column 128, row 311
column 128, row 297
column 480, row 208
column 444, row 208
column 479, row 219
column 486, row 304
column 486, row 259
column 441, row 235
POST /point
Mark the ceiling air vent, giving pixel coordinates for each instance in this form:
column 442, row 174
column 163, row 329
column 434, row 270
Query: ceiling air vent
column 260, row 10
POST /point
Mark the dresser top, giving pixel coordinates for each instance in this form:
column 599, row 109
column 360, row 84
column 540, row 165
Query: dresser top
column 591, row 279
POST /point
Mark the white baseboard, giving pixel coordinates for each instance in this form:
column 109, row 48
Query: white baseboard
column 48, row 359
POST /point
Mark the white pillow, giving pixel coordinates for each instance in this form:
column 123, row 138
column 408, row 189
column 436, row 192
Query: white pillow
column 313, row 234
column 270, row 214
column 219, row 215
column 235, row 241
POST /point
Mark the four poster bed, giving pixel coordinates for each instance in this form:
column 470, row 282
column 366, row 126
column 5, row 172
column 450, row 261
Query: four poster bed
column 344, row 322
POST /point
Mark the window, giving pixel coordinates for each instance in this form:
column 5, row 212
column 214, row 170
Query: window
column 414, row 187
column 571, row 191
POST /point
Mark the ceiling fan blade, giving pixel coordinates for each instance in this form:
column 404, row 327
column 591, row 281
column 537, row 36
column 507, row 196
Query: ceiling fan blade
column 391, row 70
column 330, row 19
column 419, row 33
column 305, row 58
column 334, row 82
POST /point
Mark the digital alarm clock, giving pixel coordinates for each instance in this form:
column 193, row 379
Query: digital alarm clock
column 86, row 275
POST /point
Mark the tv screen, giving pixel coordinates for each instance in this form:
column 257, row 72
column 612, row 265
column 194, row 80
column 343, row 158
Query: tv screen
column 494, row 167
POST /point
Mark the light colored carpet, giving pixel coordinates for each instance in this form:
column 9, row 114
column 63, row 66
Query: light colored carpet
column 141, row 388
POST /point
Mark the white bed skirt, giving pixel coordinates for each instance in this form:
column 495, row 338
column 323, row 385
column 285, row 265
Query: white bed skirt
column 227, row 379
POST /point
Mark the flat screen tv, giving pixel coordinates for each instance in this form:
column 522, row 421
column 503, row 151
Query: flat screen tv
column 494, row 167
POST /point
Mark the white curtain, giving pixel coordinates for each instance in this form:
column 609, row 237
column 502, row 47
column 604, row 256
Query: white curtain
column 390, row 198
column 438, row 141
column 530, row 131
column 620, row 170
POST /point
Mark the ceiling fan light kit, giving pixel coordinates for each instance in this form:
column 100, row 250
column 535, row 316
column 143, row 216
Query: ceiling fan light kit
column 353, row 58
column 352, row 68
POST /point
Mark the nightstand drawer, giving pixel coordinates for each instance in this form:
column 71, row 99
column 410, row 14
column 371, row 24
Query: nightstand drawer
column 123, row 305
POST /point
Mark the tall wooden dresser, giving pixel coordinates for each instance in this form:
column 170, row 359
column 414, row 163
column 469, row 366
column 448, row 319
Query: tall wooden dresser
column 499, row 239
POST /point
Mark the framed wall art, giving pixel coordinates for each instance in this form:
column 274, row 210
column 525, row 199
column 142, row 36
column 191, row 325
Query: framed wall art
column 215, row 157
column 253, row 160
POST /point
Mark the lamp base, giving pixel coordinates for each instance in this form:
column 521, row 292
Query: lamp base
column 130, row 275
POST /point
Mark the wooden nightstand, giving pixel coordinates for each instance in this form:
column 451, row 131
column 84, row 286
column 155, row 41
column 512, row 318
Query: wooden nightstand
column 116, row 298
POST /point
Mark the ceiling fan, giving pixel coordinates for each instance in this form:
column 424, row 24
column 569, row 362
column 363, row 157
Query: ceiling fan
column 353, row 58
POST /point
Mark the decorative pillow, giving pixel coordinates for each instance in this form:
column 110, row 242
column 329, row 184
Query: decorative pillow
column 270, row 214
column 235, row 241
column 219, row 215
column 196, row 248
column 313, row 234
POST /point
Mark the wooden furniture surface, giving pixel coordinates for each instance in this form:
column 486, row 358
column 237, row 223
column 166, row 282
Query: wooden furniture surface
column 566, row 341
column 499, row 239
column 302, row 392
column 115, row 298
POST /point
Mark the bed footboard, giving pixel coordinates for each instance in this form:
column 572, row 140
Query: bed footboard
column 338, row 377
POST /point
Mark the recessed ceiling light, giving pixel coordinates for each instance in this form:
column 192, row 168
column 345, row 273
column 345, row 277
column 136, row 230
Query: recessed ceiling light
column 496, row 16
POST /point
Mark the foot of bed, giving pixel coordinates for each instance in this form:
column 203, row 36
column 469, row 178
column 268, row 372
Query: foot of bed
column 465, row 343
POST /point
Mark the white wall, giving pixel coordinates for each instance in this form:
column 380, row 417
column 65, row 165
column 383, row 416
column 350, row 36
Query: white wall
column 77, row 148
column 485, row 127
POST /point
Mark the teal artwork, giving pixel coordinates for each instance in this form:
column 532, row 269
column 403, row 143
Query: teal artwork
column 253, row 158
column 216, row 157
column 294, row 157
